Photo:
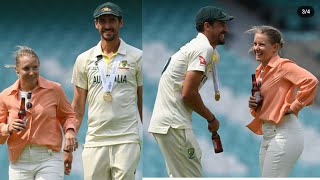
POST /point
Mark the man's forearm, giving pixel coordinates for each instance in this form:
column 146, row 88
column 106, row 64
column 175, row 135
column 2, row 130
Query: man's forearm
column 194, row 101
column 79, row 116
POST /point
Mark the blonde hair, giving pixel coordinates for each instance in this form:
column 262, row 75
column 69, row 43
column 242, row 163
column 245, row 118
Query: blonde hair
column 274, row 35
column 24, row 51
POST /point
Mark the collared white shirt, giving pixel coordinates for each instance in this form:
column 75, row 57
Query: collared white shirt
column 112, row 122
column 169, row 109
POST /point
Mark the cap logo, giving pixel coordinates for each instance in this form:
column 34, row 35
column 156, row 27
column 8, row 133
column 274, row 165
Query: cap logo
column 105, row 9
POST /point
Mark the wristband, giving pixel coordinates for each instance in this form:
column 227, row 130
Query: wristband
column 214, row 118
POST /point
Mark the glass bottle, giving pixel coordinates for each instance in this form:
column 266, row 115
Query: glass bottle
column 216, row 142
column 22, row 112
column 255, row 91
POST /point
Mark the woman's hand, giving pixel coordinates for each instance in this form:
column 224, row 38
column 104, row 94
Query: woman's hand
column 253, row 103
column 17, row 125
column 289, row 111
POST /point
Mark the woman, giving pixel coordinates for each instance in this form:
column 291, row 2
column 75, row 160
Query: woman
column 34, row 144
column 277, row 116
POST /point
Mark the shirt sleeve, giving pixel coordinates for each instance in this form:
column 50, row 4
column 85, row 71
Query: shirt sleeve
column 3, row 121
column 199, row 59
column 65, row 113
column 253, row 112
column 79, row 75
column 305, row 81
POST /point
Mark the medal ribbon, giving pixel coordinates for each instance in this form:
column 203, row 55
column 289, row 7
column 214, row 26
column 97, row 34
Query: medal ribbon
column 107, row 83
column 215, row 77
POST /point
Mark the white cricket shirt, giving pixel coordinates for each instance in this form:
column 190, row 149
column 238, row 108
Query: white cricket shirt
column 169, row 109
column 112, row 122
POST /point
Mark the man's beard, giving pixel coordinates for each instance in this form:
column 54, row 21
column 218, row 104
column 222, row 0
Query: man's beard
column 108, row 38
column 221, row 41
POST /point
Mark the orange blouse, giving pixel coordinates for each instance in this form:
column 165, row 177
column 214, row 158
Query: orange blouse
column 51, row 110
column 280, row 79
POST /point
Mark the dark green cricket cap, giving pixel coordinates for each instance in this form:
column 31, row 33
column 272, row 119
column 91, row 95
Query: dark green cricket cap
column 107, row 8
column 211, row 13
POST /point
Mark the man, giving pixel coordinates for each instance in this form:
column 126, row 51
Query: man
column 183, row 76
column 109, row 74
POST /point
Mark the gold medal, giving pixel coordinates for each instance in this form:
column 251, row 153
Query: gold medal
column 107, row 96
column 217, row 95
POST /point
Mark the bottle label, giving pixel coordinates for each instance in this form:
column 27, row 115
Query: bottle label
column 214, row 145
column 25, row 120
column 257, row 95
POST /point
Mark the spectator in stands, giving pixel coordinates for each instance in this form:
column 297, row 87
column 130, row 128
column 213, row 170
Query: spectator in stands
column 178, row 95
column 277, row 116
column 110, row 76
column 34, row 142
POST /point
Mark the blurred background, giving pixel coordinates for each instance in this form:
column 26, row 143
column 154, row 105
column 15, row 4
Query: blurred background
column 170, row 24
column 58, row 31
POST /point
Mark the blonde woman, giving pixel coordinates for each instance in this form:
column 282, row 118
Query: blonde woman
column 35, row 142
column 277, row 117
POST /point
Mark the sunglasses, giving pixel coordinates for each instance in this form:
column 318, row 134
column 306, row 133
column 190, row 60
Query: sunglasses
column 29, row 104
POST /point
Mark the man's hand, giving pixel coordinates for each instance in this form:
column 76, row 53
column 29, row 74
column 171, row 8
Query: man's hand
column 67, row 159
column 213, row 125
column 71, row 143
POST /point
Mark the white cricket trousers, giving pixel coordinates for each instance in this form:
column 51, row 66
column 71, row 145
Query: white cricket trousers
column 281, row 146
column 112, row 162
column 37, row 163
column 181, row 152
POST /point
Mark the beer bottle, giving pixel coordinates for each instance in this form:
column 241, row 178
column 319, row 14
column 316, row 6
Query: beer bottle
column 255, row 91
column 22, row 112
column 216, row 142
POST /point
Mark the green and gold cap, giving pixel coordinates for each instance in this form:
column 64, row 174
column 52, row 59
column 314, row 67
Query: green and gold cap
column 107, row 8
column 211, row 13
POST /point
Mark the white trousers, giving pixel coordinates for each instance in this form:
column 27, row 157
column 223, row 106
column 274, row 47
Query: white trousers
column 37, row 163
column 116, row 162
column 281, row 146
column 181, row 152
